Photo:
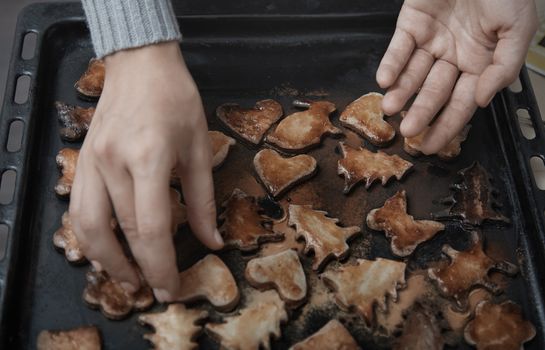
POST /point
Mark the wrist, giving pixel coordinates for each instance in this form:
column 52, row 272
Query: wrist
column 165, row 55
column 160, row 62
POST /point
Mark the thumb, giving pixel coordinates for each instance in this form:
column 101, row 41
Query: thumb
column 507, row 62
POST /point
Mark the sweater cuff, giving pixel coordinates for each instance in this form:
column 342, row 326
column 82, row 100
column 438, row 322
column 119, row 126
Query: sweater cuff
column 122, row 24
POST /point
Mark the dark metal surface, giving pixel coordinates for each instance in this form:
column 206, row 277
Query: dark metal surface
column 243, row 59
column 275, row 7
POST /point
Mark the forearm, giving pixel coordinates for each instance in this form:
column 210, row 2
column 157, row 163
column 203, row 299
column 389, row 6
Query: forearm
column 121, row 24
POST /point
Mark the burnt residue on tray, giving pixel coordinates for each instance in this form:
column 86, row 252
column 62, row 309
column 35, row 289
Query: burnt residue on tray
column 270, row 208
column 474, row 199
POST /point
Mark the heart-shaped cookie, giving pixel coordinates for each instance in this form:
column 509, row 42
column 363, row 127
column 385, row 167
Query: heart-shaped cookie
column 220, row 144
column 279, row 174
column 251, row 124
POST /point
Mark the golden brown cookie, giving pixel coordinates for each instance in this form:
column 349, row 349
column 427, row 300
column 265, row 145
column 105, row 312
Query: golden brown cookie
column 90, row 84
column 279, row 174
column 220, row 144
column 282, row 271
column 175, row 328
column 303, row 130
column 365, row 284
column 65, row 240
column 322, row 234
column 82, row 338
column 66, row 159
column 404, row 231
column 253, row 326
column 412, row 145
column 365, row 116
column 332, row 336
column 362, row 165
column 499, row 327
column 209, row 279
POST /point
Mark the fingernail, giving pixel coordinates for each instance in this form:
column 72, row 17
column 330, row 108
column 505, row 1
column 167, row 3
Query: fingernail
column 162, row 295
column 128, row 287
column 217, row 237
column 490, row 100
column 96, row 265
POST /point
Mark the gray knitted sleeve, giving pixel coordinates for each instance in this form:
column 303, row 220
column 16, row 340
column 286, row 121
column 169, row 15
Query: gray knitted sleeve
column 121, row 24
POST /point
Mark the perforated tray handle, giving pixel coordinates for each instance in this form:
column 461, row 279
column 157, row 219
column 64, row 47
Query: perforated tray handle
column 525, row 149
column 525, row 99
column 521, row 149
column 16, row 160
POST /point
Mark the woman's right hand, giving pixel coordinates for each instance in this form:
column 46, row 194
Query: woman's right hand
column 149, row 120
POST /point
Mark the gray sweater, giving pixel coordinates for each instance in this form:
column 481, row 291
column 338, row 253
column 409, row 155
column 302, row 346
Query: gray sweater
column 121, row 24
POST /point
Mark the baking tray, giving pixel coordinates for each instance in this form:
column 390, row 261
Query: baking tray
column 244, row 58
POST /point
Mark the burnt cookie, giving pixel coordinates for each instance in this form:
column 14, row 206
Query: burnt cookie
column 365, row 116
column 221, row 144
column 468, row 269
column 322, row 234
column 103, row 293
column 250, row 124
column 283, row 272
column 253, row 326
column 365, row 284
column 474, row 199
column 82, row 338
column 211, row 280
column 499, row 327
column 303, row 130
column 66, row 159
column 91, row 83
column 402, row 229
column 176, row 328
column 279, row 174
column 362, row 165
column 243, row 226
column 412, row 145
column 74, row 120
column 332, row 336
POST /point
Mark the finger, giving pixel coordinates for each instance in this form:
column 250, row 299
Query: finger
column 120, row 187
column 507, row 62
column 408, row 82
column 456, row 114
column 396, row 57
column 91, row 219
column 153, row 246
column 432, row 96
column 198, row 189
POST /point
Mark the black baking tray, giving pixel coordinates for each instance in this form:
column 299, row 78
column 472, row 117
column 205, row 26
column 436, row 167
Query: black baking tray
column 244, row 58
